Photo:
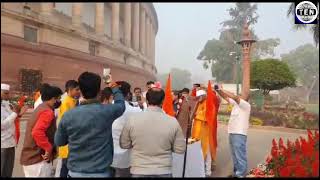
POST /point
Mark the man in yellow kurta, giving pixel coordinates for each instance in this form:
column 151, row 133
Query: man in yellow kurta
column 200, row 130
column 69, row 102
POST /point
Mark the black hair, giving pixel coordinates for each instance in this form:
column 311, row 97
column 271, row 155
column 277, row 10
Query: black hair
column 150, row 82
column 186, row 90
column 130, row 96
column 125, row 87
column 137, row 88
column 49, row 92
column 155, row 96
column 89, row 84
column 43, row 86
column 105, row 94
column 198, row 85
column 71, row 84
column 176, row 93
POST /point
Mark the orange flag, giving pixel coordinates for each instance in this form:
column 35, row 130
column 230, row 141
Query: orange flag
column 167, row 105
column 211, row 116
column 194, row 92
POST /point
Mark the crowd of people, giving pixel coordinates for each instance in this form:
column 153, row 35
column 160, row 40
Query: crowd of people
column 113, row 132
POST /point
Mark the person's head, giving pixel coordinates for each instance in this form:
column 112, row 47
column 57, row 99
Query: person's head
column 43, row 86
column 5, row 94
column 89, row 84
column 201, row 94
column 196, row 85
column 155, row 97
column 185, row 92
column 125, row 88
column 51, row 96
column 149, row 84
column 175, row 95
column 72, row 88
column 137, row 91
column 106, row 96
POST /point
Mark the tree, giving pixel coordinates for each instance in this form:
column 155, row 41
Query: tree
column 216, row 52
column 304, row 61
column 314, row 29
column 271, row 74
column 180, row 78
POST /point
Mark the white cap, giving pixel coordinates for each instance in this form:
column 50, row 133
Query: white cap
column 200, row 93
column 5, row 87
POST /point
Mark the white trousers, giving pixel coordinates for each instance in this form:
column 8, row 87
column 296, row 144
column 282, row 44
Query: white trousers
column 58, row 168
column 207, row 163
column 41, row 169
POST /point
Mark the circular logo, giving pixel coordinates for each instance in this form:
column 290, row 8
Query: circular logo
column 306, row 12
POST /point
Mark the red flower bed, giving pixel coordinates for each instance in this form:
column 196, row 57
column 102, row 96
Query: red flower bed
column 295, row 159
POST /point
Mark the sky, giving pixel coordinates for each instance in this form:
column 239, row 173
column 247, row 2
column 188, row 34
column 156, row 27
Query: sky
column 184, row 29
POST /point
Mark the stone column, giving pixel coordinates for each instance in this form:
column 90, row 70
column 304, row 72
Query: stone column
column 136, row 24
column 152, row 45
column 46, row 9
column 147, row 37
column 127, row 24
column 142, row 30
column 115, row 21
column 99, row 19
column 76, row 14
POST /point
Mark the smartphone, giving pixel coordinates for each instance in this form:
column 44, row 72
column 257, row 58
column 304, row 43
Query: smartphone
column 106, row 75
column 216, row 87
column 139, row 98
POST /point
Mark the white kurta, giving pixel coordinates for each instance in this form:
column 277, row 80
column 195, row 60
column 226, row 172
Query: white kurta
column 7, row 125
column 121, row 157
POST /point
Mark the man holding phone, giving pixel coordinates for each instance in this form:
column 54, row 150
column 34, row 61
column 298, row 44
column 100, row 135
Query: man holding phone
column 137, row 99
column 237, row 129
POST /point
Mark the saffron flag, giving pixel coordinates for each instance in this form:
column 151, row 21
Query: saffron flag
column 212, row 105
column 194, row 92
column 167, row 105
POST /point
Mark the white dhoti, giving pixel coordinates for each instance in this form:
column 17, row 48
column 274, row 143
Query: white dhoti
column 58, row 167
column 41, row 169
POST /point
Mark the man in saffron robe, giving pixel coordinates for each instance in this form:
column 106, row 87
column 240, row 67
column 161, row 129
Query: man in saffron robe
column 200, row 130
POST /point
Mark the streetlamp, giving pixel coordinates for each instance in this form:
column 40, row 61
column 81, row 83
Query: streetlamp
column 246, row 43
column 238, row 69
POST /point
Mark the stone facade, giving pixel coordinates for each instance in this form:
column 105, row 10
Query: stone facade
column 68, row 45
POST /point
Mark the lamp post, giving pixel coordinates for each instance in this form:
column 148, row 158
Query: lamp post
column 238, row 69
column 246, row 43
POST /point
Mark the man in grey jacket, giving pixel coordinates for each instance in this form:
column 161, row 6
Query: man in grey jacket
column 153, row 136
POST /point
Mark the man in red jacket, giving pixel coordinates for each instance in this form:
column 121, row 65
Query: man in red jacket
column 38, row 151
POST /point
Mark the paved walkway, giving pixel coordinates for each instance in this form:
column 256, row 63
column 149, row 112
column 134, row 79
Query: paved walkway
column 259, row 145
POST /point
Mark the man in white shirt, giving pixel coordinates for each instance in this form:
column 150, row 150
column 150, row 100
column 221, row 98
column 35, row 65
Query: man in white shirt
column 121, row 157
column 237, row 129
column 8, row 142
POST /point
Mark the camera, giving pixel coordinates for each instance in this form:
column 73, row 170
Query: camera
column 216, row 87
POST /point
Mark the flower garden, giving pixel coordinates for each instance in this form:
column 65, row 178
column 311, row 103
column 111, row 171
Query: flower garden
column 299, row 158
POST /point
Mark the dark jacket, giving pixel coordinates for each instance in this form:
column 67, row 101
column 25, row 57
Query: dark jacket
column 87, row 129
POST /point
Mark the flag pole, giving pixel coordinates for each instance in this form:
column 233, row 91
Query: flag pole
column 187, row 136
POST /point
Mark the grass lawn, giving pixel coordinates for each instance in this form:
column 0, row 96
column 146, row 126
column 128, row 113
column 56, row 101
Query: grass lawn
column 314, row 108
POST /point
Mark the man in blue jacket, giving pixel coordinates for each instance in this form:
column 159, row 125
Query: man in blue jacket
column 87, row 129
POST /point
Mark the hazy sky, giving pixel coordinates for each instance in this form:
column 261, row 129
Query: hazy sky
column 184, row 28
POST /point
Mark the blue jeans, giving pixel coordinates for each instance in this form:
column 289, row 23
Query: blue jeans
column 238, row 145
column 78, row 174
